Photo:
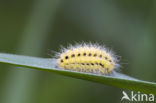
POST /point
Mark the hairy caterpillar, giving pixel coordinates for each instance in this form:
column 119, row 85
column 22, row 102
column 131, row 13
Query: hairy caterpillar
column 90, row 58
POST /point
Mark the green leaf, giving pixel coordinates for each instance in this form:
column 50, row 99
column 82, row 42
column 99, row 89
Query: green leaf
column 50, row 65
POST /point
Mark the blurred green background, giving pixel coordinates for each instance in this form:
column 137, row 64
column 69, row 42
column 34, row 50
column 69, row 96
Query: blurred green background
column 36, row 27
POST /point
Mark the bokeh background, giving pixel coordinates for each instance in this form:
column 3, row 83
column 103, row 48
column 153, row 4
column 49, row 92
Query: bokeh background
column 36, row 27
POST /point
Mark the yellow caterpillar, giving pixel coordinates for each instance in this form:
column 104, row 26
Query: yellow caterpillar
column 87, row 58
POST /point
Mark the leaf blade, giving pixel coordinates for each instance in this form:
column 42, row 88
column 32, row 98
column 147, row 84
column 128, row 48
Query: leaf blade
column 46, row 64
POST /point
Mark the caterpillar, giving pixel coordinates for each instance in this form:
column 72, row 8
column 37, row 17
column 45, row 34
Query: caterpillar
column 90, row 58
